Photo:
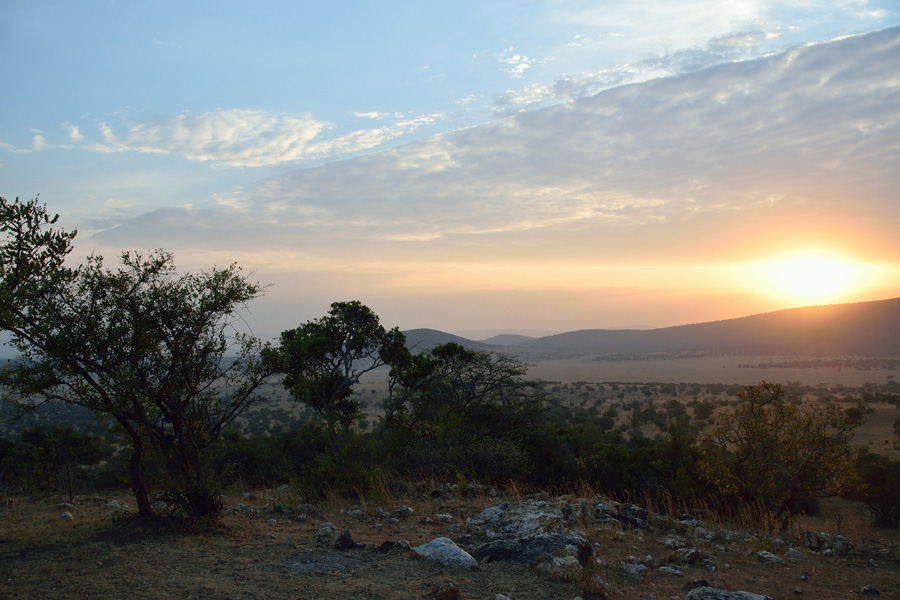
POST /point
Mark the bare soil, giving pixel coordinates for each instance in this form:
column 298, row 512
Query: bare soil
column 101, row 553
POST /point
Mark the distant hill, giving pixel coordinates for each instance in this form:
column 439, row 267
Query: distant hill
column 858, row 329
column 426, row 339
column 507, row 339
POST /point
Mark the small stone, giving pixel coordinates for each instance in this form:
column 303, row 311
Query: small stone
column 768, row 556
column 869, row 591
column 66, row 515
column 403, row 512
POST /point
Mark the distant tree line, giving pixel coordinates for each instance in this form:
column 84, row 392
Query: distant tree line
column 144, row 347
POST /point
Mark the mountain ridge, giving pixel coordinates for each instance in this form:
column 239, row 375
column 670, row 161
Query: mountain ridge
column 855, row 329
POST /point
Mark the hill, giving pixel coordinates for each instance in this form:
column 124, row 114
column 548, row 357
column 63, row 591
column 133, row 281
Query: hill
column 855, row 329
column 507, row 339
column 425, row 339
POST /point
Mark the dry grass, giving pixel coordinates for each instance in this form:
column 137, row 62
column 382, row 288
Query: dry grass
column 42, row 556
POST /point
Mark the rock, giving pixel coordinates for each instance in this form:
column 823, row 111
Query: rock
column 391, row 547
column 632, row 573
column 869, row 591
column 324, row 534
column 709, row 593
column 529, row 549
column 444, row 517
column 117, row 504
column 443, row 551
column 670, row 571
column 562, row 565
column 283, row 488
column 242, row 509
column 66, row 515
column 511, row 520
column 381, row 513
column 841, row 546
column 794, row 554
column 446, row 591
column 63, row 505
column 345, row 541
column 403, row 512
column 768, row 556
column 688, row 556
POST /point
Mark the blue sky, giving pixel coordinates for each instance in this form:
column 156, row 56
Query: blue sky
column 472, row 165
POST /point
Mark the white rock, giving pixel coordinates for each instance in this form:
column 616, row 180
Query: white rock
column 443, row 551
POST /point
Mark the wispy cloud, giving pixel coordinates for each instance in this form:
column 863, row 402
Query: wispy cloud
column 245, row 138
column 818, row 123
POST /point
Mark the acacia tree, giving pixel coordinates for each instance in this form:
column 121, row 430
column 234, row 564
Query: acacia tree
column 324, row 358
column 773, row 452
column 141, row 346
column 466, row 409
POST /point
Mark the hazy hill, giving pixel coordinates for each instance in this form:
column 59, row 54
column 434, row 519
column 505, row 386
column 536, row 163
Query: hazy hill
column 425, row 339
column 858, row 329
column 507, row 339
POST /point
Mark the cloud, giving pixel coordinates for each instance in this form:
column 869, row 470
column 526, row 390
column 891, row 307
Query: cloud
column 514, row 63
column 817, row 126
column 249, row 138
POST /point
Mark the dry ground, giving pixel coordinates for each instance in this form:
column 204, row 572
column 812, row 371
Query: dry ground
column 89, row 556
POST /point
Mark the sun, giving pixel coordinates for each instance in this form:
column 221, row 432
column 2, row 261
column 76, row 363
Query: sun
column 813, row 278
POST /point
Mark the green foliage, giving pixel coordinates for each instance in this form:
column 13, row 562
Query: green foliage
column 773, row 452
column 49, row 459
column 466, row 411
column 879, row 488
column 140, row 345
column 324, row 358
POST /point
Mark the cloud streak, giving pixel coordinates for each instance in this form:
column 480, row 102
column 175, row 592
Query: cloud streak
column 246, row 138
column 817, row 124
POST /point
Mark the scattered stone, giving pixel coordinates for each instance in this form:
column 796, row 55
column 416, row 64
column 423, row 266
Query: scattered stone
column 768, row 556
column 345, row 541
column 709, row 593
column 688, row 556
column 117, row 504
column 444, row 517
column 446, row 591
column 403, row 512
column 66, row 515
column 324, row 534
column 632, row 573
column 529, row 549
column 670, row 571
column 242, row 509
column 562, row 565
column 443, row 551
column 381, row 513
column 869, row 591
column 63, row 505
column 389, row 547
column 271, row 521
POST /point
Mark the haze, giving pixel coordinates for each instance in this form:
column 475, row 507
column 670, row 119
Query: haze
column 473, row 166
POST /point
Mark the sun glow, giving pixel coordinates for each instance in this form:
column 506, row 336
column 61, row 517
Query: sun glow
column 814, row 278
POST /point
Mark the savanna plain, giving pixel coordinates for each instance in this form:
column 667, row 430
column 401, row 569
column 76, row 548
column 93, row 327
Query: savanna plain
column 279, row 542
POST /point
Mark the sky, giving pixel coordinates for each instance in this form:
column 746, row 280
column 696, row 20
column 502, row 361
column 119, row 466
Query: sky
column 473, row 167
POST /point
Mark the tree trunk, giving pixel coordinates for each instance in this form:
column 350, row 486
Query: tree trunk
column 138, row 482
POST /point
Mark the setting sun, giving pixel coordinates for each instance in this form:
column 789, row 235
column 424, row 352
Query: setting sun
column 814, row 278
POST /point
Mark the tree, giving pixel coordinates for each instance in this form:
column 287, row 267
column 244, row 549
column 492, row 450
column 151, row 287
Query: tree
column 468, row 410
column 324, row 358
column 47, row 456
column 771, row 452
column 141, row 346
